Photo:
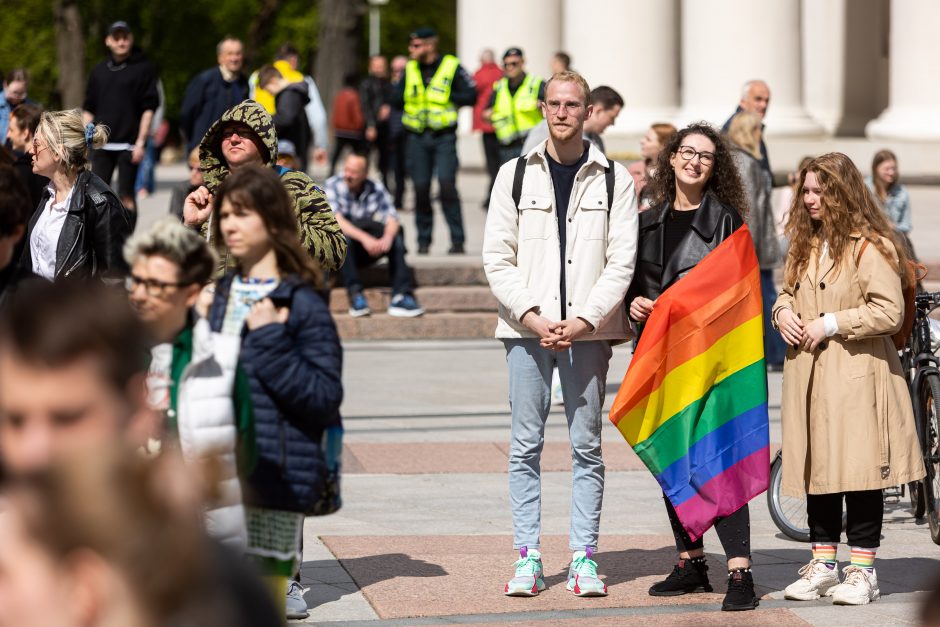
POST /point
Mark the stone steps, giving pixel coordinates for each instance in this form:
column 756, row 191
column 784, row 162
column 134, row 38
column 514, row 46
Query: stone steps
column 438, row 299
column 445, row 325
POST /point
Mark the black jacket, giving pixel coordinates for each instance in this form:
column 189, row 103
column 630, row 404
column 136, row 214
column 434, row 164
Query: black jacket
column 713, row 223
column 208, row 96
column 92, row 238
column 290, row 119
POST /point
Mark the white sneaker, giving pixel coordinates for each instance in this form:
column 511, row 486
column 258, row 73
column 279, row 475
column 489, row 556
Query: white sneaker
column 816, row 580
column 858, row 588
column 582, row 576
column 527, row 580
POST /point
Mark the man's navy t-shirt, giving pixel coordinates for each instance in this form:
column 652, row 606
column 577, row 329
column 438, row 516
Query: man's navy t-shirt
column 563, row 180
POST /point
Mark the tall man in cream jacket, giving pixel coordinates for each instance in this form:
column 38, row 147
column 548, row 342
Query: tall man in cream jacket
column 559, row 252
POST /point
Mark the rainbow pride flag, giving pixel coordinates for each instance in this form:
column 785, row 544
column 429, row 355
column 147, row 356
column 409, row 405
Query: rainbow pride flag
column 693, row 404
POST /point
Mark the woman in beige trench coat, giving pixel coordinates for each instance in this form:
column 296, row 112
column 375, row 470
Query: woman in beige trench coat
column 848, row 425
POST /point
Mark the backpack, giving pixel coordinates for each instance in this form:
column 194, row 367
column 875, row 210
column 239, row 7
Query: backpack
column 915, row 273
column 520, row 174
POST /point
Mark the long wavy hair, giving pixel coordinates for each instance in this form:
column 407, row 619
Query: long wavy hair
column 259, row 189
column 724, row 182
column 847, row 207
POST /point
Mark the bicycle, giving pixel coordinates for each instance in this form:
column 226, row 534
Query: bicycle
column 922, row 366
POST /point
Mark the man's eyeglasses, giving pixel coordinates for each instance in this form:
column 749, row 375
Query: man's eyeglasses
column 242, row 131
column 571, row 108
column 508, row 64
column 688, row 153
column 153, row 287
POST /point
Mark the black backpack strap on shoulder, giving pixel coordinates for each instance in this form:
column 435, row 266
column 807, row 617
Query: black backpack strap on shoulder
column 609, row 176
column 517, row 180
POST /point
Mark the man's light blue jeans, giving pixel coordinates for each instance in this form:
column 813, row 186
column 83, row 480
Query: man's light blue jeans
column 583, row 372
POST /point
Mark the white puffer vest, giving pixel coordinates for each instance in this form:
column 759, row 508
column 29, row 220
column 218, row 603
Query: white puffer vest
column 207, row 429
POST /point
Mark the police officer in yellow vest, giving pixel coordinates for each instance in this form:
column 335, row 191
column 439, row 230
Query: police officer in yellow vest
column 514, row 105
column 433, row 87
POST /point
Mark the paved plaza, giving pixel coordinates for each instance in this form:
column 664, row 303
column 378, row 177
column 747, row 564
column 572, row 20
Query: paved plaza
column 424, row 537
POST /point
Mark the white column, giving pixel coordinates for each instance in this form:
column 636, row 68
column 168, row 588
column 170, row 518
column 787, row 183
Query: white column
column 639, row 56
column 533, row 25
column 913, row 111
column 726, row 43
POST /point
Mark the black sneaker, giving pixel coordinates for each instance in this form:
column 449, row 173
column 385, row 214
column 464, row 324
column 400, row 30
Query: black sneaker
column 686, row 576
column 740, row 595
column 456, row 249
column 423, row 249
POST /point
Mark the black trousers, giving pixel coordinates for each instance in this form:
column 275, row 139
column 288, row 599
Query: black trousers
column 734, row 531
column 103, row 163
column 491, row 154
column 864, row 512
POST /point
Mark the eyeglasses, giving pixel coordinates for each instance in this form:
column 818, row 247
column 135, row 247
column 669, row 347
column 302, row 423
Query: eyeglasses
column 36, row 148
column 570, row 107
column 241, row 131
column 508, row 64
column 153, row 287
column 688, row 153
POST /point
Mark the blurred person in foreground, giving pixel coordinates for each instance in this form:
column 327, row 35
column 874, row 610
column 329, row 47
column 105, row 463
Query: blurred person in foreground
column 73, row 366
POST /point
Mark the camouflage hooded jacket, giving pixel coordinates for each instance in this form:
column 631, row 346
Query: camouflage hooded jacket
column 320, row 234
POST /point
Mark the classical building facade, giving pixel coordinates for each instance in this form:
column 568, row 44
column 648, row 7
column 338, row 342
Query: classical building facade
column 836, row 68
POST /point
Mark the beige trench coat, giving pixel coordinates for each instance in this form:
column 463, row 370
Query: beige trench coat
column 848, row 423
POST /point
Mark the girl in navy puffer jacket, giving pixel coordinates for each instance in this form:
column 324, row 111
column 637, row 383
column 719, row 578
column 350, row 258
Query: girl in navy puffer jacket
column 290, row 353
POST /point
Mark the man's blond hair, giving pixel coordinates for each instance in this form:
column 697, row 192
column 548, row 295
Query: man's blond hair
column 571, row 77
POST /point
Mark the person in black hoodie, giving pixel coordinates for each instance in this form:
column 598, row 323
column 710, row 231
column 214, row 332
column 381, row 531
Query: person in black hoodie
column 290, row 119
column 23, row 122
column 122, row 94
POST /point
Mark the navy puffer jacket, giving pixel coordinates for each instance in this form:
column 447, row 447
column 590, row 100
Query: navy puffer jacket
column 295, row 374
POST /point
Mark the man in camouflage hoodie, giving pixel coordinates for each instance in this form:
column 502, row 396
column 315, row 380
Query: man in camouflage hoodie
column 245, row 135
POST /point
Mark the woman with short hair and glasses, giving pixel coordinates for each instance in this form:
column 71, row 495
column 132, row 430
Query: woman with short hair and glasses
column 698, row 201
column 79, row 226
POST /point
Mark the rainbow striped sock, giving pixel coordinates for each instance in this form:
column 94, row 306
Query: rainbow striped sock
column 863, row 558
column 826, row 552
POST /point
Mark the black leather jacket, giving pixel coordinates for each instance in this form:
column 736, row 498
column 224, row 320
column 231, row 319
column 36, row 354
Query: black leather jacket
column 712, row 224
column 93, row 234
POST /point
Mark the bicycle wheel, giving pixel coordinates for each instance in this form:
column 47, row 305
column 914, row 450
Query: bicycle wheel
column 788, row 513
column 929, row 396
column 915, row 490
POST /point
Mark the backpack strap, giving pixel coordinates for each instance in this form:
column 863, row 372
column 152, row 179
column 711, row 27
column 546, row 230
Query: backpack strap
column 609, row 179
column 517, row 180
column 858, row 255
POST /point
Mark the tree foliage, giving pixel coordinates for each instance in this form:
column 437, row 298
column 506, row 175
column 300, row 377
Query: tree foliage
column 180, row 36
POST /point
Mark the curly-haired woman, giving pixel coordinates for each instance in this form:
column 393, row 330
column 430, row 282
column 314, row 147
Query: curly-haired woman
column 698, row 201
column 848, row 426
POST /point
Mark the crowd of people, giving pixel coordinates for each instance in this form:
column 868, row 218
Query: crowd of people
column 204, row 397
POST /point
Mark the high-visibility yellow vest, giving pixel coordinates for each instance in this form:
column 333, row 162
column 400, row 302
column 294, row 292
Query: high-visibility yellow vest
column 265, row 98
column 430, row 107
column 514, row 114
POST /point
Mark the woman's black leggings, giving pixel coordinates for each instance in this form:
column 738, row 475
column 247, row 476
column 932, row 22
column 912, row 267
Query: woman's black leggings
column 734, row 531
column 864, row 513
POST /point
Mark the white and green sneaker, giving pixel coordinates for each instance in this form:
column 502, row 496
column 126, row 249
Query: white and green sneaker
column 527, row 582
column 582, row 576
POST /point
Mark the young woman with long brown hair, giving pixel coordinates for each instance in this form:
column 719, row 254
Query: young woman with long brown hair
column 848, row 426
column 290, row 353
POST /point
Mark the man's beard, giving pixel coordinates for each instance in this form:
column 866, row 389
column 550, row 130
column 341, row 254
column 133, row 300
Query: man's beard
column 562, row 133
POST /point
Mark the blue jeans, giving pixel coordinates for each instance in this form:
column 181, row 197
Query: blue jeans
column 774, row 348
column 432, row 154
column 583, row 372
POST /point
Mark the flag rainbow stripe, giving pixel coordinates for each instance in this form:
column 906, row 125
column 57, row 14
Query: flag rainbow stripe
column 693, row 404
